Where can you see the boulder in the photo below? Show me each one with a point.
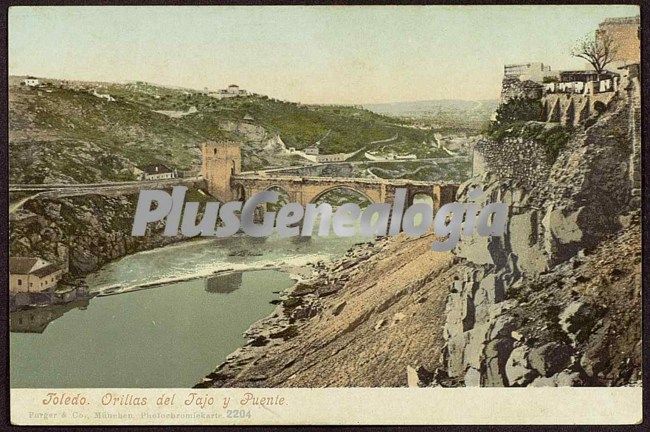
(517, 368)
(577, 319)
(550, 358)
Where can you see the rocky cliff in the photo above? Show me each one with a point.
(84, 231)
(555, 301)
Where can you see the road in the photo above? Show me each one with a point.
(316, 165)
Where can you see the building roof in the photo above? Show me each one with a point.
(155, 169)
(46, 270)
(580, 75)
(30, 265)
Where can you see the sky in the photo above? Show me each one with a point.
(309, 54)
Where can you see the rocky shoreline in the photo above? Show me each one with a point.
(298, 302)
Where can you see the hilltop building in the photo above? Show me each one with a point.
(31, 82)
(232, 90)
(534, 71)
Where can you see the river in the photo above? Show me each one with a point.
(169, 320)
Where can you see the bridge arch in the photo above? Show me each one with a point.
(330, 189)
(423, 196)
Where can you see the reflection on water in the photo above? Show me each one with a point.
(171, 336)
(223, 284)
(186, 309)
(35, 320)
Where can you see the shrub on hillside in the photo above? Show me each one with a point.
(518, 109)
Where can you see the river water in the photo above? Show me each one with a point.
(170, 334)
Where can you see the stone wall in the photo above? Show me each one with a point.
(573, 109)
(512, 87)
(518, 158)
(625, 34)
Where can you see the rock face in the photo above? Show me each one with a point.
(541, 305)
(372, 318)
(84, 231)
(555, 301)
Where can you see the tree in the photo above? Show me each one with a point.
(518, 109)
(599, 50)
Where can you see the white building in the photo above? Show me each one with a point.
(31, 82)
(232, 90)
(155, 172)
(534, 71)
(28, 274)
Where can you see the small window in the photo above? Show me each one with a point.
(20, 281)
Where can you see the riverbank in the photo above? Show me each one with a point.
(338, 327)
(200, 298)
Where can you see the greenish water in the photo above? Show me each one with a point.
(171, 335)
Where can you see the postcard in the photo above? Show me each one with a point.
(330, 215)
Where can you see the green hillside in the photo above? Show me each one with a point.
(63, 132)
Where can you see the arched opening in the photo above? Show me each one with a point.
(339, 195)
(423, 198)
(239, 193)
(283, 199)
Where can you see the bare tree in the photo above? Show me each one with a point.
(599, 50)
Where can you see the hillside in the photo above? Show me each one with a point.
(83, 132)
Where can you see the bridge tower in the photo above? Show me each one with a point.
(221, 160)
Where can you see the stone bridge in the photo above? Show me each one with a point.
(221, 170)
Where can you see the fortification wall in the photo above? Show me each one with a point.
(524, 160)
(571, 108)
(513, 87)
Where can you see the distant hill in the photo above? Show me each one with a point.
(73, 131)
(471, 115)
(431, 106)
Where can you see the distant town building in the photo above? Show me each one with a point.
(31, 82)
(625, 34)
(232, 90)
(32, 275)
(534, 71)
(335, 157)
(155, 172)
